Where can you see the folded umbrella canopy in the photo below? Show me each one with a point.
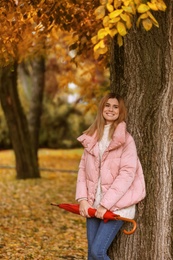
(74, 208)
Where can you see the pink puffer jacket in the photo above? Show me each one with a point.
(122, 180)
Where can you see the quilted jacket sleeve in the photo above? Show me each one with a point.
(81, 189)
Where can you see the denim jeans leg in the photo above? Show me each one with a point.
(92, 227)
(104, 234)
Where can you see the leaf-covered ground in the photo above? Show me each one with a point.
(30, 228)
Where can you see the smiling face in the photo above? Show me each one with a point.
(111, 110)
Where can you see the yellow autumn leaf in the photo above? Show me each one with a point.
(115, 13)
(120, 40)
(147, 24)
(138, 22)
(113, 32)
(124, 17)
(133, 7)
(121, 29)
(96, 47)
(106, 21)
(142, 16)
(110, 1)
(161, 6)
(137, 2)
(109, 7)
(107, 30)
(155, 22)
(114, 20)
(126, 2)
(152, 6)
(128, 9)
(99, 12)
(117, 3)
(94, 39)
(102, 44)
(100, 48)
(102, 33)
(128, 23)
(142, 8)
(103, 50)
(111, 25)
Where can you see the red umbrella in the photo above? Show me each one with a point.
(74, 208)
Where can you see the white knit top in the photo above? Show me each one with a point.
(103, 144)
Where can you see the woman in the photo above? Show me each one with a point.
(110, 176)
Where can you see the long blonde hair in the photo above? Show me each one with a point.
(99, 122)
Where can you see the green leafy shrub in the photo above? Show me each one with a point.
(61, 124)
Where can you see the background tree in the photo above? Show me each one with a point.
(16, 19)
(24, 29)
(38, 71)
(26, 161)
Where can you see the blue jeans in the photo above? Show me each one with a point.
(100, 236)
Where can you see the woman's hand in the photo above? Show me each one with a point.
(83, 208)
(100, 212)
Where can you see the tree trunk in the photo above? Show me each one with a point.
(37, 89)
(147, 84)
(32, 78)
(26, 160)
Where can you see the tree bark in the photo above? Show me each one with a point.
(26, 160)
(117, 81)
(32, 76)
(147, 84)
(37, 89)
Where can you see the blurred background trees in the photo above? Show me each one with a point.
(36, 59)
(68, 88)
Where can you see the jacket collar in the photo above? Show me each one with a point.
(119, 136)
(118, 139)
(87, 141)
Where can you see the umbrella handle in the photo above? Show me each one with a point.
(131, 221)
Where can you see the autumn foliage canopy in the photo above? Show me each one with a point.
(27, 26)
